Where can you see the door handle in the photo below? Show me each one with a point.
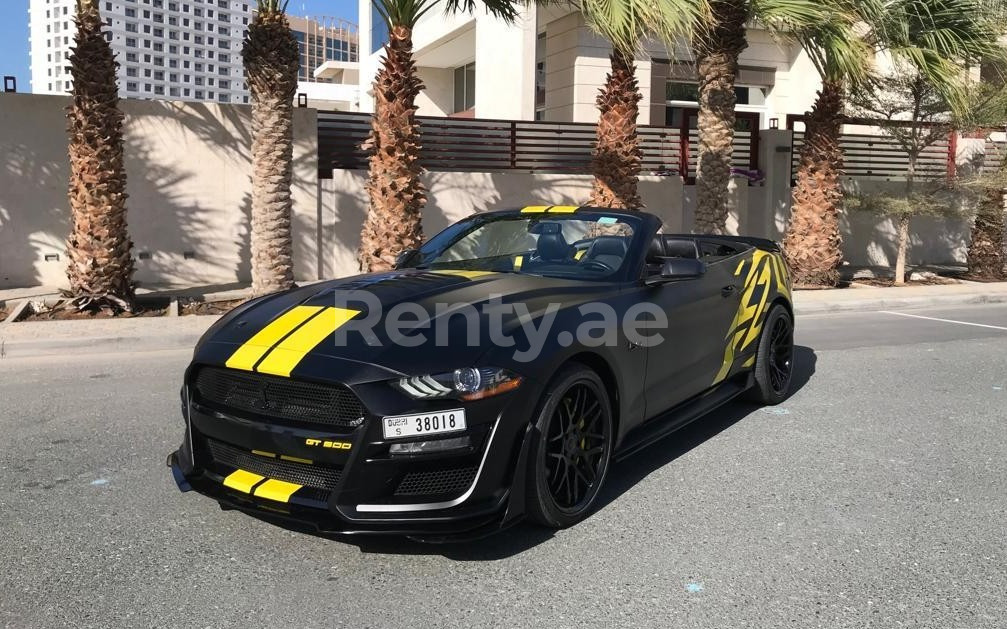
(728, 290)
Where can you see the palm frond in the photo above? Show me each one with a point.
(272, 6)
(506, 9)
(625, 23)
(402, 12)
(788, 15)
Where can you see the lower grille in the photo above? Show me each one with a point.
(437, 482)
(315, 476)
(282, 398)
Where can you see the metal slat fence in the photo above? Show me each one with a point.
(879, 156)
(478, 145)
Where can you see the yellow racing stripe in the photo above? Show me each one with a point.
(254, 348)
(277, 490)
(242, 480)
(535, 209)
(470, 275)
(518, 261)
(291, 350)
(297, 459)
(563, 209)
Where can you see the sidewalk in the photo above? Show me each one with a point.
(39, 338)
(868, 298)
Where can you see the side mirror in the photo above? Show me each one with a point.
(677, 269)
(403, 257)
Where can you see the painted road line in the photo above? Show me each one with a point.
(978, 325)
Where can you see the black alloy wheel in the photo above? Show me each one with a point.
(573, 448)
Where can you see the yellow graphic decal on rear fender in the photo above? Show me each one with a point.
(763, 269)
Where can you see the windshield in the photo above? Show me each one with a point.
(580, 246)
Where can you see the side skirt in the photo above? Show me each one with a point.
(668, 422)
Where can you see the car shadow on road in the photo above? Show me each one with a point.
(622, 477)
(625, 475)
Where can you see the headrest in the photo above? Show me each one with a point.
(546, 227)
(609, 245)
(552, 247)
(680, 248)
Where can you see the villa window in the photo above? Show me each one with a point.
(465, 87)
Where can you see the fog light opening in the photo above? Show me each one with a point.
(430, 447)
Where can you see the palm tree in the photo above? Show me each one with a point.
(938, 38)
(625, 23)
(271, 61)
(397, 195)
(100, 270)
(717, 49)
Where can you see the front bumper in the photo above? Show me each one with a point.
(358, 486)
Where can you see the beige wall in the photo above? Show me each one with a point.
(454, 195)
(188, 178)
(189, 169)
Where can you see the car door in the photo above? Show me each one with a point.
(699, 311)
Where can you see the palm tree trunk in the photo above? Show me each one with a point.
(717, 50)
(812, 241)
(617, 155)
(271, 61)
(903, 247)
(396, 193)
(904, 218)
(100, 270)
(986, 251)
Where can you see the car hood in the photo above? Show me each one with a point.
(448, 308)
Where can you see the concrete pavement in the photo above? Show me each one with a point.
(874, 496)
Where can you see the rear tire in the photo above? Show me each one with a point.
(774, 360)
(572, 448)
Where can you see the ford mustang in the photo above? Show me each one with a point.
(494, 375)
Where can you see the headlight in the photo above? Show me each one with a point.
(468, 383)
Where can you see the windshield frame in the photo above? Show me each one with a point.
(644, 226)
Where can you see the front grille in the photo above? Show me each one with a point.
(449, 481)
(315, 476)
(272, 396)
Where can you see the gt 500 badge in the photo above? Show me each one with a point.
(334, 445)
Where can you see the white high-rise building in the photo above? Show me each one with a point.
(168, 49)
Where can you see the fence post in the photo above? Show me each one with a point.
(513, 145)
(683, 154)
(952, 154)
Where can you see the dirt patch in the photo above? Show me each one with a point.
(984, 280)
(840, 285)
(888, 282)
(208, 307)
(59, 313)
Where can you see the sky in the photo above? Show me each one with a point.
(14, 31)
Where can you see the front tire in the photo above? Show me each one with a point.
(572, 449)
(774, 361)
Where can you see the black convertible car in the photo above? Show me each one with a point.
(495, 374)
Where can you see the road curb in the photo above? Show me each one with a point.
(890, 303)
(101, 344)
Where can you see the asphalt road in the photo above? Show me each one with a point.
(875, 497)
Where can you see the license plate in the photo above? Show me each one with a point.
(398, 426)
